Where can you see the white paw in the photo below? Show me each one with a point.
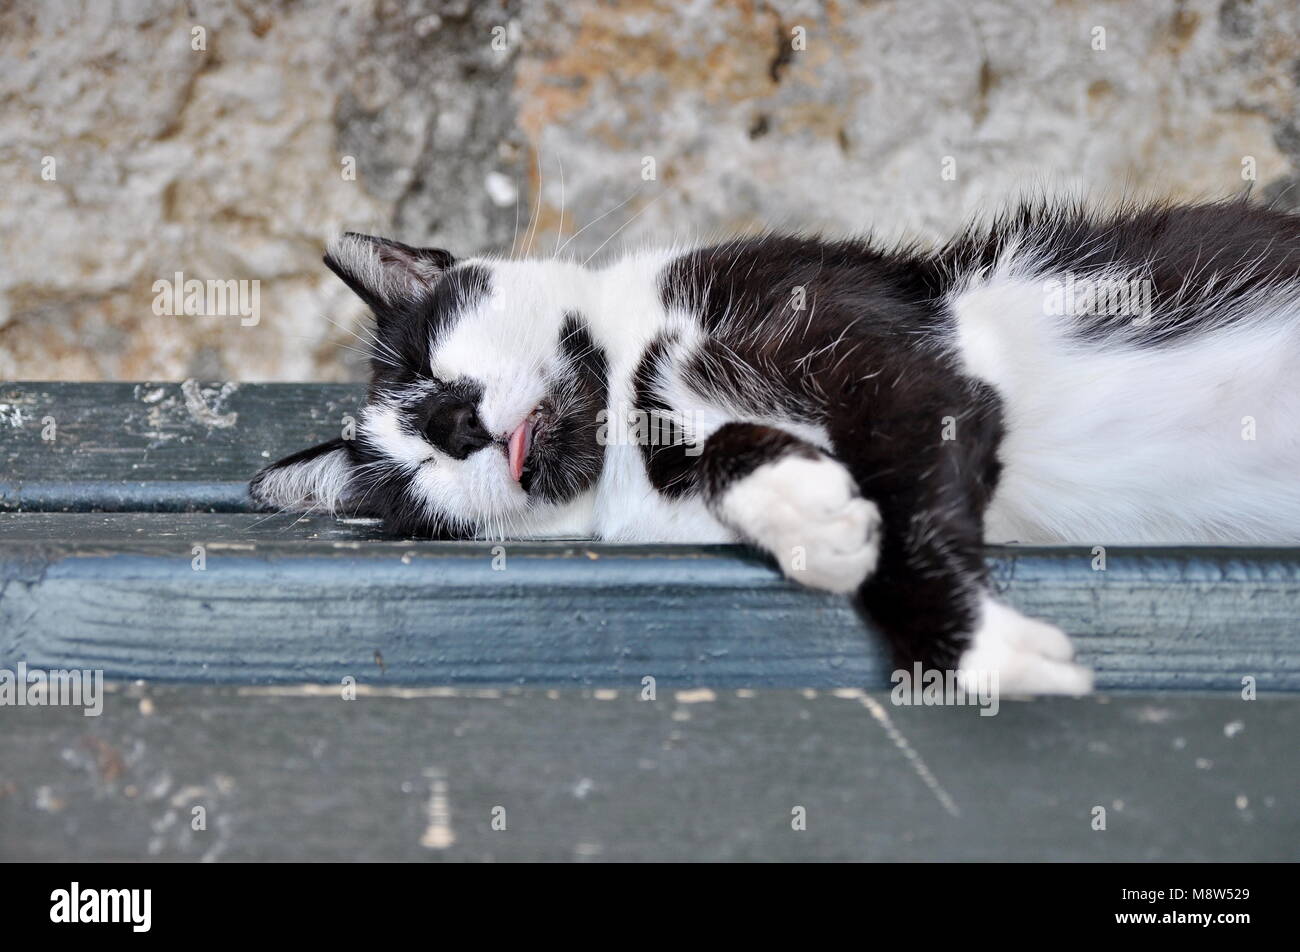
(1029, 657)
(808, 514)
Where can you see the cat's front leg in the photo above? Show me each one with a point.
(916, 562)
(1028, 655)
(790, 499)
(929, 596)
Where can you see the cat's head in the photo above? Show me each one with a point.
(484, 401)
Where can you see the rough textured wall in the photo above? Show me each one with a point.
(231, 162)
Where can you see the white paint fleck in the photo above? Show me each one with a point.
(188, 796)
(196, 402)
(1233, 728)
(697, 696)
(12, 415)
(1154, 715)
(438, 834)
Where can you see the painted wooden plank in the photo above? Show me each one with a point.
(292, 773)
(281, 599)
(76, 447)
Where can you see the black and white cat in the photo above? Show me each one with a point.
(867, 416)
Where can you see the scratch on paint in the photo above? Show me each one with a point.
(438, 835)
(887, 724)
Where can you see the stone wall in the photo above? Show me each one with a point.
(128, 155)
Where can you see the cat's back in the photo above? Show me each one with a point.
(1146, 361)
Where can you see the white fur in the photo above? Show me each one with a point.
(807, 513)
(361, 257)
(627, 316)
(1120, 443)
(1027, 656)
(317, 485)
(508, 341)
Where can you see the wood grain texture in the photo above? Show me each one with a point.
(96, 552)
(155, 446)
(97, 571)
(300, 774)
(282, 599)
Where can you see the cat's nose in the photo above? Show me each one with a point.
(457, 431)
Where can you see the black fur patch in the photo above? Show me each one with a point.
(842, 335)
(668, 460)
(735, 450)
(1187, 256)
(567, 457)
(407, 330)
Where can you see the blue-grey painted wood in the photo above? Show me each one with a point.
(291, 774)
(285, 600)
(160, 447)
(98, 570)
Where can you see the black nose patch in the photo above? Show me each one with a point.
(450, 421)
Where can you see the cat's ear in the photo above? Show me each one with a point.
(385, 273)
(318, 479)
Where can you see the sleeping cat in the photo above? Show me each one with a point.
(867, 416)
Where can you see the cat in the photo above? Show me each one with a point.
(869, 416)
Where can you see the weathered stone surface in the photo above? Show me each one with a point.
(228, 163)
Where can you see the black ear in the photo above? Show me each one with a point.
(385, 273)
(318, 479)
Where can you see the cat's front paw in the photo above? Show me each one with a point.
(1028, 656)
(807, 512)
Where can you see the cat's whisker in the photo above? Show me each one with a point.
(616, 231)
(514, 239)
(531, 232)
(559, 229)
(635, 192)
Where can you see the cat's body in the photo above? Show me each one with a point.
(868, 417)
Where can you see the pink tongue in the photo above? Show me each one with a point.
(520, 440)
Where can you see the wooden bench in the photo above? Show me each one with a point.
(513, 676)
